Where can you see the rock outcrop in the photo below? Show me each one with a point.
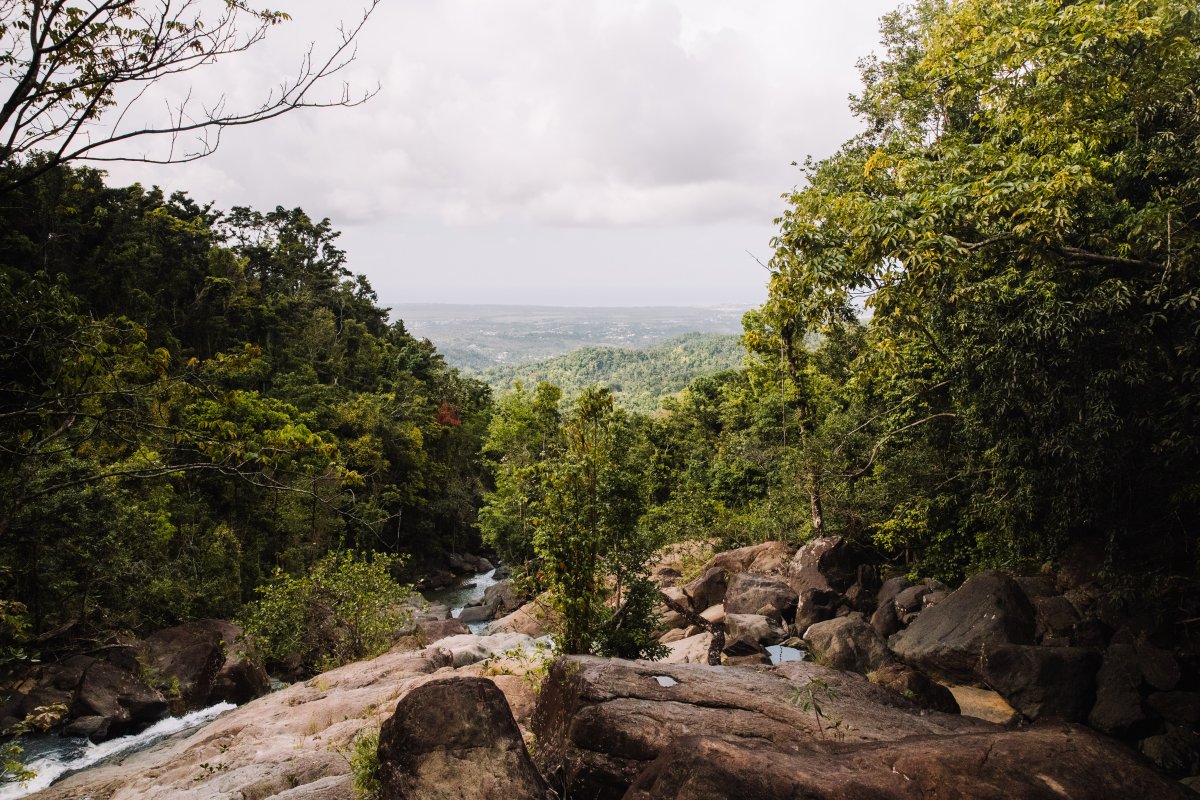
(450, 734)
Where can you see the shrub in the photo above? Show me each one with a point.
(345, 608)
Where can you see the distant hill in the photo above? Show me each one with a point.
(476, 337)
(638, 377)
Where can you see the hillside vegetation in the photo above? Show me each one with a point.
(639, 379)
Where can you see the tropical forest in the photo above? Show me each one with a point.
(928, 527)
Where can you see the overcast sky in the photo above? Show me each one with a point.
(574, 152)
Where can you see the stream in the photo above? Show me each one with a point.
(54, 757)
(466, 589)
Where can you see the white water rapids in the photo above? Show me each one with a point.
(51, 757)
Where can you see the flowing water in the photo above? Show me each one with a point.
(465, 590)
(53, 757)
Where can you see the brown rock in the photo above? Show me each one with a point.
(1056, 616)
(599, 722)
(1045, 682)
(847, 643)
(915, 686)
(185, 660)
(768, 558)
(748, 593)
(892, 587)
(1118, 701)
(1042, 764)
(120, 698)
(707, 590)
(455, 737)
(950, 639)
(827, 563)
(815, 605)
(885, 621)
(241, 678)
(434, 630)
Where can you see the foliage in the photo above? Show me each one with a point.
(1020, 219)
(809, 697)
(639, 379)
(345, 607)
(41, 719)
(190, 400)
(83, 82)
(364, 765)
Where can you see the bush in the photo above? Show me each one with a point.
(345, 608)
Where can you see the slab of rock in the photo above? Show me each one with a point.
(468, 648)
(951, 639)
(502, 597)
(847, 643)
(599, 722)
(1045, 682)
(184, 661)
(985, 704)
(689, 650)
(816, 605)
(437, 629)
(455, 737)
(480, 613)
(748, 593)
(241, 678)
(288, 744)
(1049, 763)
(827, 563)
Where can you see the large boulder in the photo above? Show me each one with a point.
(455, 737)
(916, 686)
(847, 643)
(816, 605)
(1118, 696)
(1041, 764)
(1045, 682)
(502, 597)
(768, 558)
(952, 639)
(241, 678)
(708, 590)
(469, 648)
(122, 700)
(535, 618)
(748, 593)
(183, 661)
(435, 630)
(753, 629)
(827, 563)
(600, 722)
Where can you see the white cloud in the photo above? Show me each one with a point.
(546, 114)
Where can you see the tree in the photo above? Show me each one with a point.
(1022, 218)
(591, 553)
(78, 77)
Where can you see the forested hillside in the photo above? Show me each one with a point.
(192, 399)
(638, 378)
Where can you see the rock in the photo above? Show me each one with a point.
(1158, 667)
(455, 737)
(911, 598)
(707, 590)
(435, 579)
(600, 722)
(477, 614)
(827, 563)
(1035, 586)
(241, 678)
(1052, 762)
(714, 613)
(1044, 682)
(754, 629)
(861, 598)
(690, 650)
(669, 618)
(933, 598)
(748, 593)
(673, 635)
(768, 558)
(1118, 701)
(892, 587)
(1056, 617)
(288, 744)
(847, 643)
(983, 704)
(534, 619)
(94, 728)
(501, 597)
(436, 630)
(429, 612)
(1176, 752)
(123, 700)
(950, 639)
(502, 571)
(1178, 707)
(184, 661)
(468, 648)
(915, 686)
(885, 621)
(815, 605)
(483, 565)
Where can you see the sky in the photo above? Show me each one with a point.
(581, 152)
